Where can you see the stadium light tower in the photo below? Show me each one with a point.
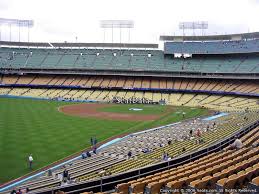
(193, 26)
(17, 23)
(119, 24)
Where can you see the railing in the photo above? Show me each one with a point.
(109, 183)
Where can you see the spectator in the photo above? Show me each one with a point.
(145, 150)
(169, 141)
(165, 156)
(69, 178)
(30, 159)
(65, 175)
(88, 154)
(84, 155)
(237, 144)
(183, 150)
(102, 173)
(162, 145)
(198, 133)
(64, 183)
(108, 173)
(59, 176)
(95, 150)
(129, 154)
(190, 132)
(49, 172)
(13, 191)
(255, 144)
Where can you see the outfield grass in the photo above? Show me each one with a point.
(35, 126)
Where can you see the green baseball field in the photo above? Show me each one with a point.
(51, 130)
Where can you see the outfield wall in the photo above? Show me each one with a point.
(56, 99)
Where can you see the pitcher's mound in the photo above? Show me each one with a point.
(91, 110)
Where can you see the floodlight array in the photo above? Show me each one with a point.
(117, 24)
(17, 22)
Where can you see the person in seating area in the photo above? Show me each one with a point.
(102, 173)
(83, 155)
(129, 154)
(190, 133)
(255, 144)
(19, 191)
(13, 191)
(95, 150)
(169, 142)
(165, 156)
(65, 175)
(50, 172)
(198, 136)
(237, 144)
(145, 150)
(198, 133)
(208, 128)
(161, 145)
(88, 154)
(64, 183)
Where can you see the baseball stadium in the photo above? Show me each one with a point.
(79, 117)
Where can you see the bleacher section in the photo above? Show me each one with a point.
(238, 86)
(144, 60)
(224, 170)
(213, 47)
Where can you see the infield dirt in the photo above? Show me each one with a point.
(91, 110)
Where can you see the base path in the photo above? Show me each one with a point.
(91, 110)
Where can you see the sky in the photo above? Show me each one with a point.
(64, 20)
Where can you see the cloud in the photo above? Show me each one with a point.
(64, 19)
(255, 1)
(5, 5)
